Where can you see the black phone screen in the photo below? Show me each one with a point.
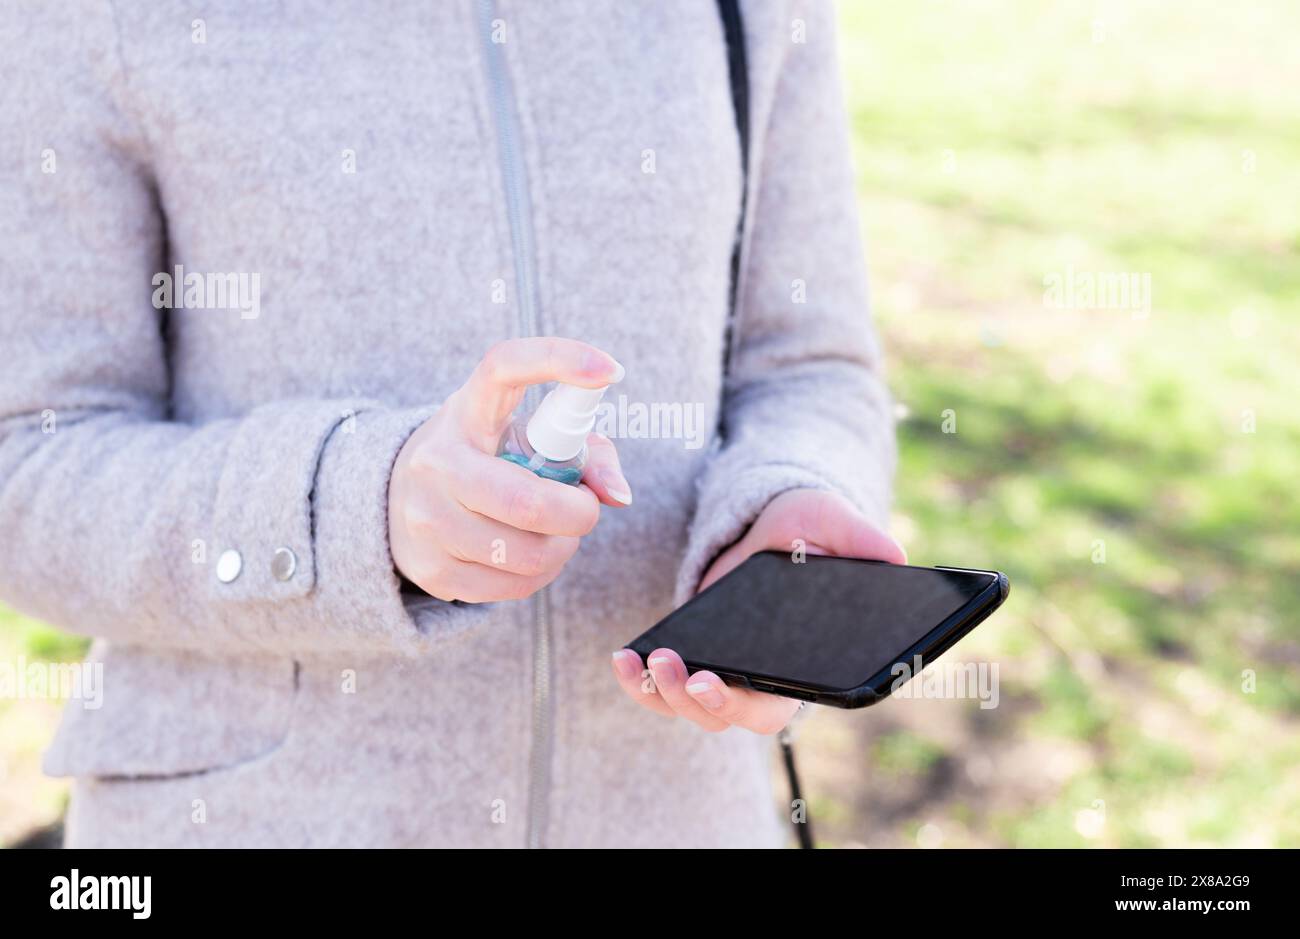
(830, 622)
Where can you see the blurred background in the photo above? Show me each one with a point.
(1134, 470)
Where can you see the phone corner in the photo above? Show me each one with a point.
(853, 699)
(1004, 587)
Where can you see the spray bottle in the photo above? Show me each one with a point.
(552, 441)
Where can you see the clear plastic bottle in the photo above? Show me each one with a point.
(552, 441)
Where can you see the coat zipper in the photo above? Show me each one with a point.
(519, 212)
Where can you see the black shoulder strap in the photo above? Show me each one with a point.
(733, 29)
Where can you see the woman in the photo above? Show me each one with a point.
(326, 613)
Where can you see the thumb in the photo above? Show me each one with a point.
(824, 522)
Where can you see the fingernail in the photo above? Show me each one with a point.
(706, 694)
(616, 486)
(659, 660)
(618, 373)
(623, 663)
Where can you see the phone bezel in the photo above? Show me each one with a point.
(928, 647)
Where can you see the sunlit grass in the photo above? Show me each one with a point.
(1133, 471)
(28, 799)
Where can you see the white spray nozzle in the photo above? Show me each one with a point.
(559, 427)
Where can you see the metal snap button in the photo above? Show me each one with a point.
(229, 565)
(283, 564)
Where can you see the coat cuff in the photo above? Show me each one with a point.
(303, 503)
(358, 591)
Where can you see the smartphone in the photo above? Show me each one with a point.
(825, 629)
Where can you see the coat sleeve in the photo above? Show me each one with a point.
(113, 514)
(805, 404)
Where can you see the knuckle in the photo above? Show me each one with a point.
(493, 354)
(438, 593)
(428, 464)
(432, 578)
(441, 569)
(566, 548)
(520, 588)
(494, 358)
(536, 559)
(419, 523)
(526, 507)
(553, 350)
(456, 550)
(733, 714)
(585, 518)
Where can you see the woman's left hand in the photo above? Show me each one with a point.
(825, 523)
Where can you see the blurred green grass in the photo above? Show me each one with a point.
(30, 801)
(997, 143)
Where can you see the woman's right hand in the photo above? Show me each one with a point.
(464, 524)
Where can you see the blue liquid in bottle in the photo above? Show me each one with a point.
(552, 441)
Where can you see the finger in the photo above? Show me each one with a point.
(670, 678)
(482, 540)
(452, 579)
(638, 686)
(604, 474)
(509, 493)
(754, 710)
(833, 523)
(824, 522)
(494, 388)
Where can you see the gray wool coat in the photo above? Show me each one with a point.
(406, 184)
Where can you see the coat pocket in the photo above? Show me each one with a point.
(167, 712)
